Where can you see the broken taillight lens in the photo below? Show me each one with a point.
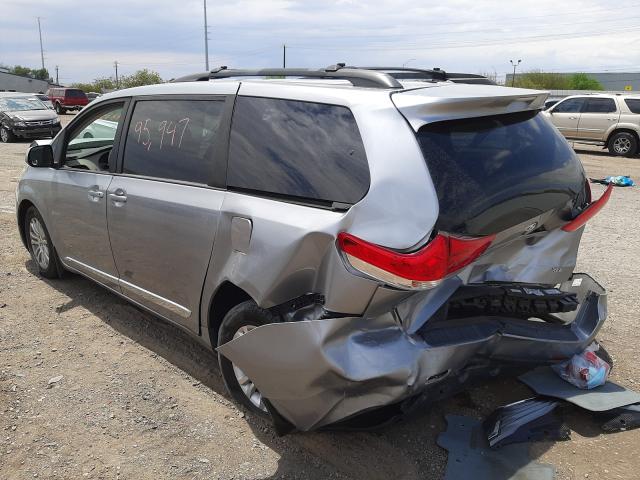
(588, 213)
(423, 269)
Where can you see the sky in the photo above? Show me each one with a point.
(85, 38)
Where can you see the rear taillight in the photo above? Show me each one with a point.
(592, 209)
(423, 269)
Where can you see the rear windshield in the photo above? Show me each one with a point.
(75, 93)
(491, 173)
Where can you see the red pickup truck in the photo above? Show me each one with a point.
(64, 99)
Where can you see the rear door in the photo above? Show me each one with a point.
(597, 117)
(163, 207)
(565, 116)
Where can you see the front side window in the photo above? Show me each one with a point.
(573, 105)
(600, 105)
(91, 141)
(305, 150)
(633, 104)
(173, 139)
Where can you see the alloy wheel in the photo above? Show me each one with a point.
(4, 135)
(39, 244)
(247, 386)
(622, 145)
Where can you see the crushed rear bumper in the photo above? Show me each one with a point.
(319, 372)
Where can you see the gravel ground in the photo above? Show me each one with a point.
(91, 387)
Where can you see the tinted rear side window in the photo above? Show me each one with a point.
(75, 93)
(299, 149)
(633, 104)
(492, 173)
(600, 105)
(173, 139)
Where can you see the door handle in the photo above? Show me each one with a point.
(119, 196)
(95, 195)
(573, 118)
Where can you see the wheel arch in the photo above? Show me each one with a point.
(620, 130)
(22, 212)
(227, 296)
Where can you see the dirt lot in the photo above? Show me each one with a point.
(138, 399)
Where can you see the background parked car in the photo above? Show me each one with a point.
(93, 95)
(64, 99)
(25, 116)
(44, 99)
(612, 121)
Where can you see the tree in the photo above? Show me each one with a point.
(22, 71)
(40, 74)
(537, 79)
(582, 81)
(139, 78)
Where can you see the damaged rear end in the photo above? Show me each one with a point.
(491, 287)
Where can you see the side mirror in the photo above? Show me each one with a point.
(40, 156)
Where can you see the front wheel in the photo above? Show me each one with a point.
(6, 135)
(624, 144)
(60, 110)
(40, 246)
(238, 321)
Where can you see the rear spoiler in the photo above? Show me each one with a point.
(421, 106)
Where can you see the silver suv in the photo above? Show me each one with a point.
(609, 120)
(346, 241)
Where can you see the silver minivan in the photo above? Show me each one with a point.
(348, 242)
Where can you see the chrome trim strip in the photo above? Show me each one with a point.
(110, 279)
(156, 299)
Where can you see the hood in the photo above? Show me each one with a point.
(30, 115)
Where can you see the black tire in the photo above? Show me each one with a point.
(623, 144)
(52, 268)
(59, 109)
(246, 314)
(6, 135)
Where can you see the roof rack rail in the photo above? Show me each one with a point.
(434, 74)
(357, 76)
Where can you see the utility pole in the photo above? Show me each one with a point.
(115, 64)
(206, 38)
(41, 50)
(57, 82)
(284, 56)
(513, 78)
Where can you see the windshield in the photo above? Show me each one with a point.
(21, 104)
(491, 173)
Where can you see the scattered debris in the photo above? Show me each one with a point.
(544, 381)
(621, 418)
(52, 381)
(617, 180)
(528, 420)
(469, 452)
(585, 370)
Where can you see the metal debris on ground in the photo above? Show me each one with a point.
(529, 420)
(544, 381)
(469, 455)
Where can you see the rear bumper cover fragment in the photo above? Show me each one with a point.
(318, 372)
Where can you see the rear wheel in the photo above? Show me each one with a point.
(624, 144)
(240, 320)
(6, 135)
(40, 246)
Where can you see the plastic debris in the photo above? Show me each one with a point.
(585, 370)
(530, 420)
(621, 418)
(617, 180)
(544, 381)
(470, 455)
